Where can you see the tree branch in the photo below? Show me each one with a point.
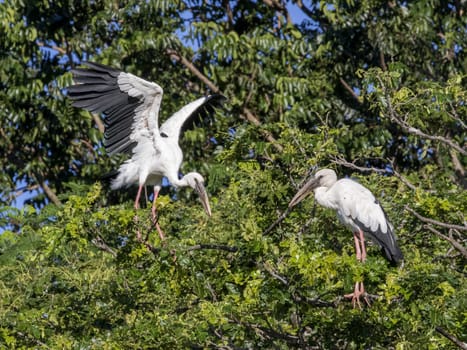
(435, 222)
(269, 333)
(50, 193)
(277, 5)
(451, 240)
(342, 161)
(100, 243)
(215, 89)
(191, 67)
(414, 131)
(296, 295)
(267, 135)
(452, 338)
(56, 48)
(350, 90)
(213, 246)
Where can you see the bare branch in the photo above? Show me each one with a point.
(56, 48)
(451, 240)
(100, 243)
(191, 67)
(458, 168)
(267, 135)
(435, 222)
(32, 339)
(350, 90)
(50, 193)
(452, 338)
(269, 333)
(248, 114)
(382, 61)
(296, 295)
(277, 5)
(414, 131)
(342, 161)
(278, 221)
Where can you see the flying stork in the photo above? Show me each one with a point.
(131, 109)
(357, 209)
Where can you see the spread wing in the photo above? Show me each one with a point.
(360, 205)
(130, 104)
(179, 121)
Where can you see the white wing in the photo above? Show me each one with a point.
(176, 123)
(360, 206)
(130, 104)
(358, 203)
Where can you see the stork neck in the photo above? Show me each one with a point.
(175, 181)
(321, 196)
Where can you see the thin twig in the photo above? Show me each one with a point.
(341, 161)
(414, 131)
(296, 295)
(213, 246)
(278, 221)
(100, 243)
(248, 114)
(451, 240)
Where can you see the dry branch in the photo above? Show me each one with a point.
(395, 117)
(435, 222)
(452, 338)
(215, 89)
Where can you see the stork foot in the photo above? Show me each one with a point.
(359, 291)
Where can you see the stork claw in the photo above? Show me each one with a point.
(359, 291)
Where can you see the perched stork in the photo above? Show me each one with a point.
(131, 108)
(357, 209)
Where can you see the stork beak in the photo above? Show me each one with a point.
(304, 192)
(203, 196)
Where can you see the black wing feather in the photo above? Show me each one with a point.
(97, 90)
(386, 240)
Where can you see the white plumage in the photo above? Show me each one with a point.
(358, 209)
(131, 109)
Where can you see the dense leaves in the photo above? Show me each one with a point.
(374, 89)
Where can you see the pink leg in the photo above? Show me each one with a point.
(154, 213)
(357, 247)
(362, 241)
(359, 291)
(153, 209)
(138, 195)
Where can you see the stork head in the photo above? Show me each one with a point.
(323, 178)
(196, 181)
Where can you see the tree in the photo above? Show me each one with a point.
(374, 89)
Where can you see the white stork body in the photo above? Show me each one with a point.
(358, 209)
(131, 109)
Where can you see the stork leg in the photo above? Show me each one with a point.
(362, 242)
(138, 195)
(359, 289)
(154, 213)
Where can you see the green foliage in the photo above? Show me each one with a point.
(373, 89)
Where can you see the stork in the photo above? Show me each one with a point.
(131, 109)
(357, 209)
